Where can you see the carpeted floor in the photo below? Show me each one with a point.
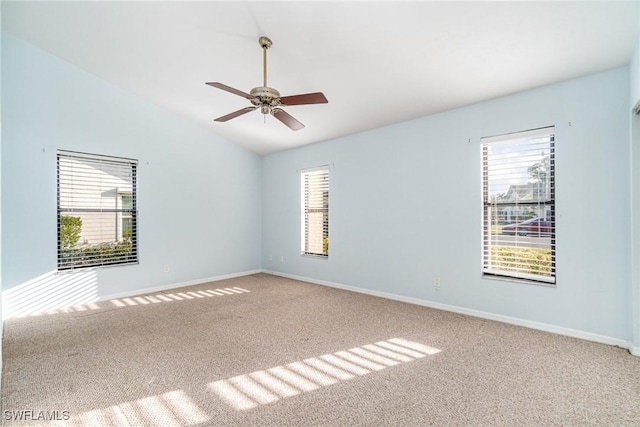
(264, 350)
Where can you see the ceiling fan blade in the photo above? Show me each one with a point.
(305, 98)
(235, 114)
(287, 119)
(230, 89)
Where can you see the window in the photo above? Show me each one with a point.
(315, 211)
(96, 211)
(518, 186)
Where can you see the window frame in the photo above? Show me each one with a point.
(305, 211)
(73, 258)
(545, 202)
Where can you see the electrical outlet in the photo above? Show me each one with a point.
(281, 258)
(436, 282)
(165, 268)
(270, 257)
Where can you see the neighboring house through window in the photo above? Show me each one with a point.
(518, 176)
(96, 210)
(315, 211)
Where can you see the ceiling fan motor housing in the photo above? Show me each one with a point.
(265, 98)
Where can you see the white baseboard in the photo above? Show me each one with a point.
(176, 285)
(588, 336)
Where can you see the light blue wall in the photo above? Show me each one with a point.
(634, 99)
(199, 196)
(405, 206)
(1, 318)
(635, 217)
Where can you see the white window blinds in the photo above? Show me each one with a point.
(315, 211)
(518, 176)
(97, 216)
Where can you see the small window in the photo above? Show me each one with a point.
(315, 211)
(518, 176)
(96, 211)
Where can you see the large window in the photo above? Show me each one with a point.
(518, 176)
(96, 211)
(315, 211)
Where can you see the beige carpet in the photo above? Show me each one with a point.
(263, 350)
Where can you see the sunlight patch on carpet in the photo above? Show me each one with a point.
(50, 293)
(171, 409)
(264, 387)
(175, 296)
(61, 294)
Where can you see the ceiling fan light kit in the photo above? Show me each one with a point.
(268, 99)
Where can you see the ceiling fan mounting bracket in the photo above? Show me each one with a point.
(265, 42)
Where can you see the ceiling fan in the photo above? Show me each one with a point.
(268, 99)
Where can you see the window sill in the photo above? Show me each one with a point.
(315, 256)
(518, 280)
(95, 267)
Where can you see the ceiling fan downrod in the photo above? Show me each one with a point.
(265, 97)
(266, 43)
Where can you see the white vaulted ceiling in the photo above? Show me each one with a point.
(378, 63)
